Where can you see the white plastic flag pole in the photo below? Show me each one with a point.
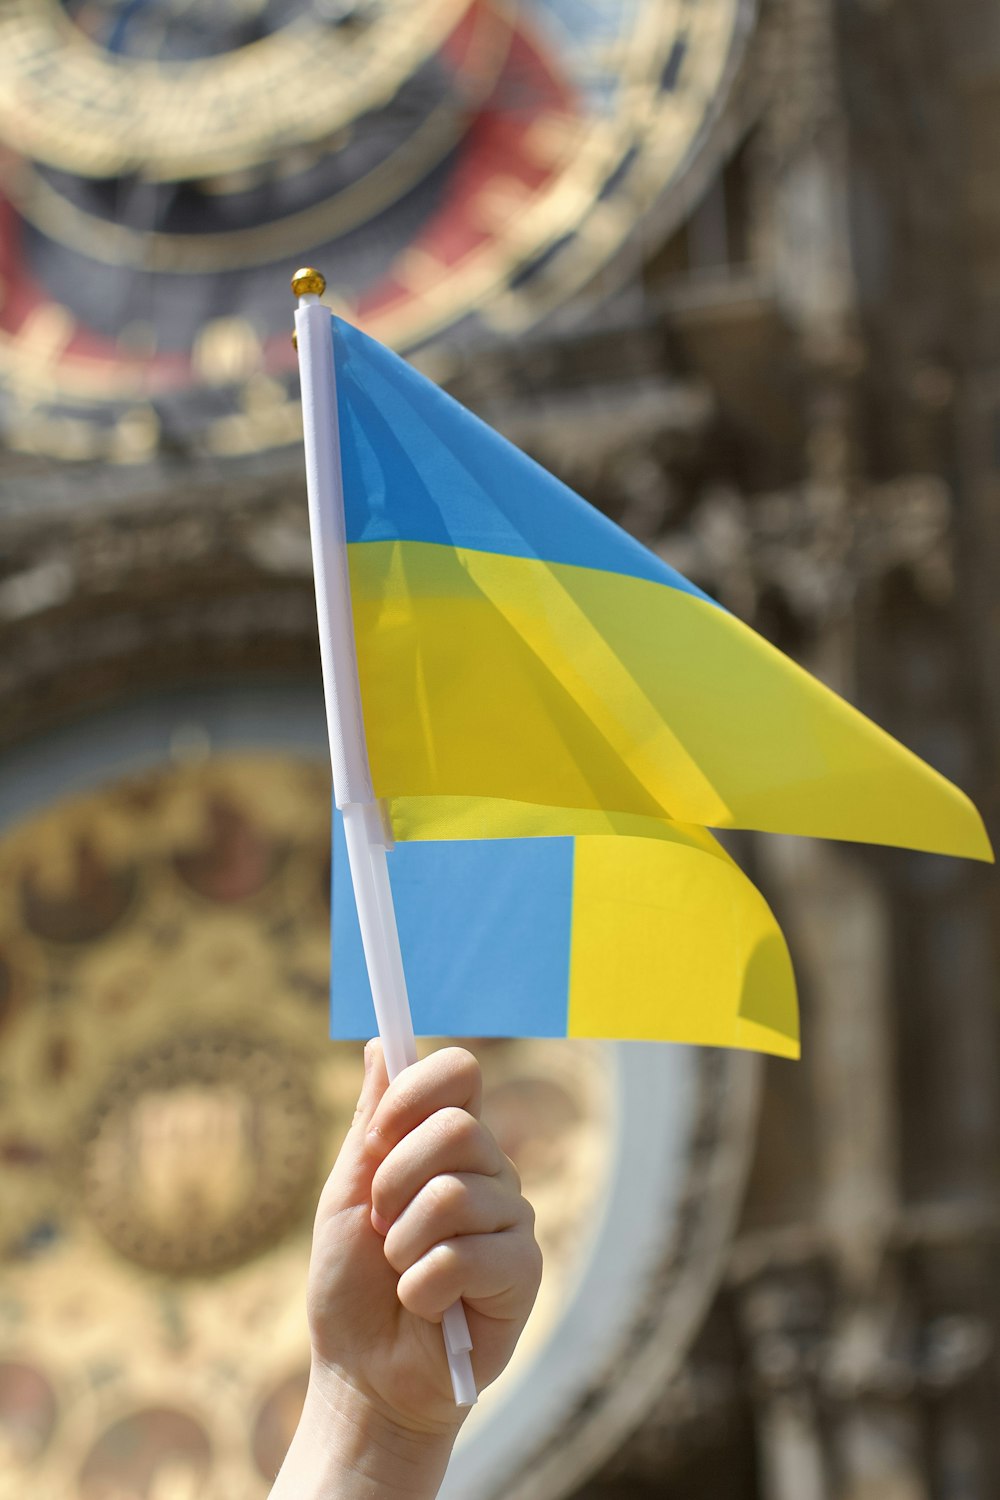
(367, 839)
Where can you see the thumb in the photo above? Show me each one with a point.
(351, 1179)
(376, 1081)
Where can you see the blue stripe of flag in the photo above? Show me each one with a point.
(418, 467)
(484, 928)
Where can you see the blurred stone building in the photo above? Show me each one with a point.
(733, 272)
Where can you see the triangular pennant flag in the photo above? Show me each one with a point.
(553, 719)
(515, 646)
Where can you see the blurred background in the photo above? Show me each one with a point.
(730, 269)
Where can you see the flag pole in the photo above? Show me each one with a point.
(367, 838)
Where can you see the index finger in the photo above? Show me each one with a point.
(449, 1079)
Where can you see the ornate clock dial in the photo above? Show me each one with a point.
(176, 90)
(168, 1111)
(448, 164)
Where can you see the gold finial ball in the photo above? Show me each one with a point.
(308, 280)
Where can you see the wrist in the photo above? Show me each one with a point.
(346, 1448)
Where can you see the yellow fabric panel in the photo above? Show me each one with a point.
(509, 678)
(671, 942)
(464, 694)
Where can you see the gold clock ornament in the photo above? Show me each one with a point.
(165, 167)
(202, 94)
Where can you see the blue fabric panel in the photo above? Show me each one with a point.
(484, 927)
(418, 467)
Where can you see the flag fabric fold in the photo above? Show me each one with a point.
(653, 937)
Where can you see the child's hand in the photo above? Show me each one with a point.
(422, 1208)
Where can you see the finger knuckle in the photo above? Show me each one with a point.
(525, 1260)
(462, 1067)
(395, 1254)
(383, 1190)
(457, 1129)
(416, 1295)
(510, 1170)
(426, 1287)
(449, 1196)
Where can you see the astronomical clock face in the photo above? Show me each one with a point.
(168, 1111)
(169, 1107)
(454, 166)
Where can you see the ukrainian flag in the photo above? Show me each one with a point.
(532, 676)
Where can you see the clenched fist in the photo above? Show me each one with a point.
(422, 1208)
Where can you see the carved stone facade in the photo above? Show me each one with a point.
(861, 1310)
